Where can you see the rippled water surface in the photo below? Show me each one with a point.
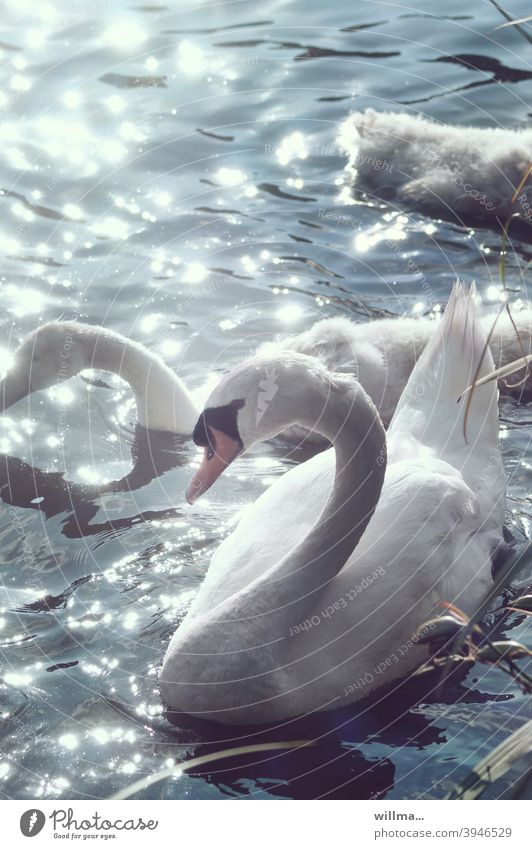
(173, 172)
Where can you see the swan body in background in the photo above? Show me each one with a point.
(59, 350)
(281, 625)
(382, 353)
(464, 173)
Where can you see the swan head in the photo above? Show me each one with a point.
(254, 402)
(50, 354)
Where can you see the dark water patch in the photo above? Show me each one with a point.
(313, 52)
(217, 136)
(362, 27)
(334, 99)
(41, 260)
(212, 30)
(274, 190)
(54, 602)
(436, 17)
(219, 211)
(11, 47)
(67, 665)
(37, 209)
(250, 42)
(312, 264)
(230, 273)
(124, 81)
(299, 239)
(310, 224)
(500, 73)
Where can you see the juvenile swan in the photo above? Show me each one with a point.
(464, 173)
(61, 349)
(424, 526)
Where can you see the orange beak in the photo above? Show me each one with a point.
(215, 461)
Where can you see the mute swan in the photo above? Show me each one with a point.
(304, 610)
(456, 172)
(61, 349)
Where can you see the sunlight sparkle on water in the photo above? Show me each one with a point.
(289, 313)
(130, 620)
(35, 37)
(6, 360)
(115, 104)
(292, 147)
(19, 83)
(62, 394)
(73, 211)
(230, 176)
(249, 264)
(100, 735)
(72, 99)
(125, 35)
(111, 227)
(162, 199)
(89, 474)
(69, 741)
(150, 322)
(18, 159)
(194, 272)
(25, 301)
(170, 347)
(369, 238)
(17, 679)
(128, 768)
(113, 150)
(190, 59)
(130, 132)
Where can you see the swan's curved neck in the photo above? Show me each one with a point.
(163, 402)
(347, 418)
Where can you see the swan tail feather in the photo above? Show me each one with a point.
(433, 408)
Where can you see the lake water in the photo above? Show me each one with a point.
(173, 172)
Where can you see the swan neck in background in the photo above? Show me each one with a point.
(162, 400)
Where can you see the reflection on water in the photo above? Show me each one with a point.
(174, 173)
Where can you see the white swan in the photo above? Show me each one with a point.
(453, 171)
(382, 353)
(305, 610)
(59, 350)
